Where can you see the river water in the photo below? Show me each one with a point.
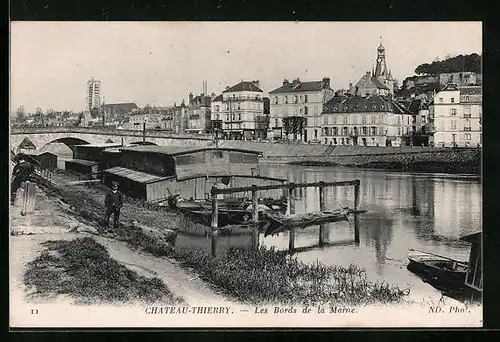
(428, 212)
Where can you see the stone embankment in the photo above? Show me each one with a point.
(422, 159)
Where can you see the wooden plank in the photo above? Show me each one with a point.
(286, 186)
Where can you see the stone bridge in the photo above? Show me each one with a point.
(88, 135)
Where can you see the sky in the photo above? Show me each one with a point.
(159, 63)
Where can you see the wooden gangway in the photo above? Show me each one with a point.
(290, 186)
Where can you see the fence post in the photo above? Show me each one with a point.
(322, 208)
(291, 199)
(291, 240)
(356, 203)
(255, 204)
(215, 219)
(255, 218)
(356, 195)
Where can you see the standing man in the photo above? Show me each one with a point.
(113, 202)
(22, 172)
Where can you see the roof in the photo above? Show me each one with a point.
(471, 90)
(112, 150)
(82, 162)
(203, 100)
(217, 98)
(243, 86)
(358, 104)
(416, 105)
(294, 87)
(450, 87)
(105, 145)
(178, 150)
(472, 237)
(128, 106)
(136, 176)
(37, 153)
(369, 81)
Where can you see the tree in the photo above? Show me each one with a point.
(94, 112)
(79, 120)
(294, 125)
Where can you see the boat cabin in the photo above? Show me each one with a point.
(92, 152)
(474, 278)
(188, 172)
(81, 166)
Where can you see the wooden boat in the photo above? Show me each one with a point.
(440, 271)
(281, 222)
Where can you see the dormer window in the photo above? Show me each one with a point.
(452, 100)
(381, 107)
(334, 109)
(374, 107)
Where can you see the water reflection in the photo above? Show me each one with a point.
(404, 211)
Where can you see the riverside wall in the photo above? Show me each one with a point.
(422, 159)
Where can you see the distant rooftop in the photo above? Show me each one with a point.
(243, 86)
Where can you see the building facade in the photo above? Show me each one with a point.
(242, 112)
(456, 114)
(198, 114)
(93, 94)
(366, 121)
(299, 99)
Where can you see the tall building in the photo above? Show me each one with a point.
(198, 114)
(455, 115)
(242, 111)
(379, 81)
(299, 99)
(93, 94)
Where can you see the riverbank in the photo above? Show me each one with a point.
(251, 277)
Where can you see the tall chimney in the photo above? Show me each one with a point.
(190, 97)
(285, 81)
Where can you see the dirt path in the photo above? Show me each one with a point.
(49, 222)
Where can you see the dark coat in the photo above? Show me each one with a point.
(22, 171)
(114, 200)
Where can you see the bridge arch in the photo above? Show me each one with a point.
(149, 143)
(68, 141)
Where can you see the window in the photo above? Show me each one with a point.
(342, 140)
(275, 122)
(452, 100)
(227, 117)
(365, 130)
(217, 108)
(374, 131)
(453, 124)
(467, 110)
(453, 111)
(305, 98)
(305, 110)
(239, 116)
(275, 100)
(295, 99)
(440, 100)
(467, 98)
(335, 131)
(363, 119)
(239, 106)
(335, 141)
(285, 99)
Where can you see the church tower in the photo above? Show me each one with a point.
(381, 72)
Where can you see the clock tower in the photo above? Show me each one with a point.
(381, 72)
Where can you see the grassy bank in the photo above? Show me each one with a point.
(249, 276)
(266, 276)
(84, 270)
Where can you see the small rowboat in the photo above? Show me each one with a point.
(281, 222)
(438, 270)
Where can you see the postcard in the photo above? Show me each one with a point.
(245, 174)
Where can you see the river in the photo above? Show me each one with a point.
(428, 212)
